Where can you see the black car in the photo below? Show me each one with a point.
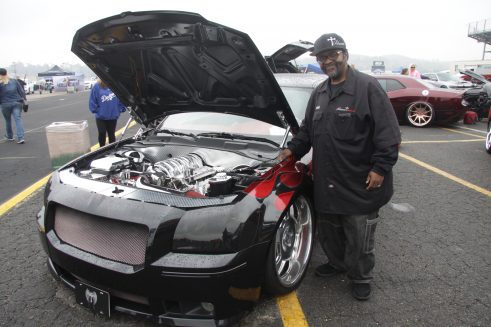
(189, 220)
(478, 98)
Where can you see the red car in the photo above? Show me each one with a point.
(421, 104)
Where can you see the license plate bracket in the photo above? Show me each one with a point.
(97, 300)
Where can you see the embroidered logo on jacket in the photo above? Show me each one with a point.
(345, 111)
(108, 97)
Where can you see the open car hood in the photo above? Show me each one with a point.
(165, 62)
(287, 53)
(476, 76)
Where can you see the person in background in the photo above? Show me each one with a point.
(107, 109)
(405, 71)
(12, 98)
(353, 131)
(413, 72)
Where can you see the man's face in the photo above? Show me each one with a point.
(332, 62)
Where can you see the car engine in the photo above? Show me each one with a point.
(479, 99)
(202, 172)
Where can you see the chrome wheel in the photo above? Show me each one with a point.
(420, 114)
(293, 243)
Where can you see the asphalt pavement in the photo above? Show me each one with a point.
(23, 164)
(433, 258)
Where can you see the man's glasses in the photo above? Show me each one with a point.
(413, 67)
(331, 55)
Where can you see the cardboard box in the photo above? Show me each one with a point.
(67, 141)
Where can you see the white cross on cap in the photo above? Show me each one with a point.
(332, 39)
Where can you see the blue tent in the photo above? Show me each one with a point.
(313, 68)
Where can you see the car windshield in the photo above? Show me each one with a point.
(212, 122)
(447, 77)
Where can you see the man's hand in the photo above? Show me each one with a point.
(285, 153)
(374, 180)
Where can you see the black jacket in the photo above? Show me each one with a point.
(352, 132)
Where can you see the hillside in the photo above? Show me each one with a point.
(361, 62)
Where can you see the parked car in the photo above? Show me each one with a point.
(29, 87)
(72, 85)
(421, 104)
(189, 220)
(478, 98)
(89, 84)
(447, 81)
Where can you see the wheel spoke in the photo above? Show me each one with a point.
(420, 114)
(280, 266)
(293, 243)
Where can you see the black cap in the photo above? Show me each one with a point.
(3, 71)
(327, 42)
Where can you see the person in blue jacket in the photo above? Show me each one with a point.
(12, 97)
(107, 107)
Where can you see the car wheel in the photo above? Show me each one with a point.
(488, 138)
(420, 114)
(290, 251)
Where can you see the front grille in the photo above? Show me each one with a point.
(111, 239)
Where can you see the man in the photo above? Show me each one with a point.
(354, 133)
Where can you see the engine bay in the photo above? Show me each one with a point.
(191, 171)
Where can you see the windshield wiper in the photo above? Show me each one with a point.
(219, 134)
(236, 137)
(168, 131)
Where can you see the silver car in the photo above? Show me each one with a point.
(446, 80)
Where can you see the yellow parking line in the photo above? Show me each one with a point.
(442, 141)
(459, 132)
(13, 201)
(291, 311)
(16, 158)
(6, 206)
(447, 175)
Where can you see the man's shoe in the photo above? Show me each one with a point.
(20, 142)
(361, 291)
(9, 138)
(326, 270)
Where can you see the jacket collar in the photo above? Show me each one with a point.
(348, 85)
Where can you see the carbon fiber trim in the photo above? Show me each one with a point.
(176, 200)
(111, 239)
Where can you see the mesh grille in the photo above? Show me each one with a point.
(111, 239)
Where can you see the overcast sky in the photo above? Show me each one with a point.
(41, 31)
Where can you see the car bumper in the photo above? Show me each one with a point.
(178, 288)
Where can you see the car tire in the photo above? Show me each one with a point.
(290, 251)
(488, 138)
(420, 114)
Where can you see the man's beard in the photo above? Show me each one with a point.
(333, 69)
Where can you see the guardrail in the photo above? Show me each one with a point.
(479, 27)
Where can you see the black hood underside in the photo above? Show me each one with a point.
(166, 62)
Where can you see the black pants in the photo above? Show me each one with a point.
(348, 242)
(106, 126)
